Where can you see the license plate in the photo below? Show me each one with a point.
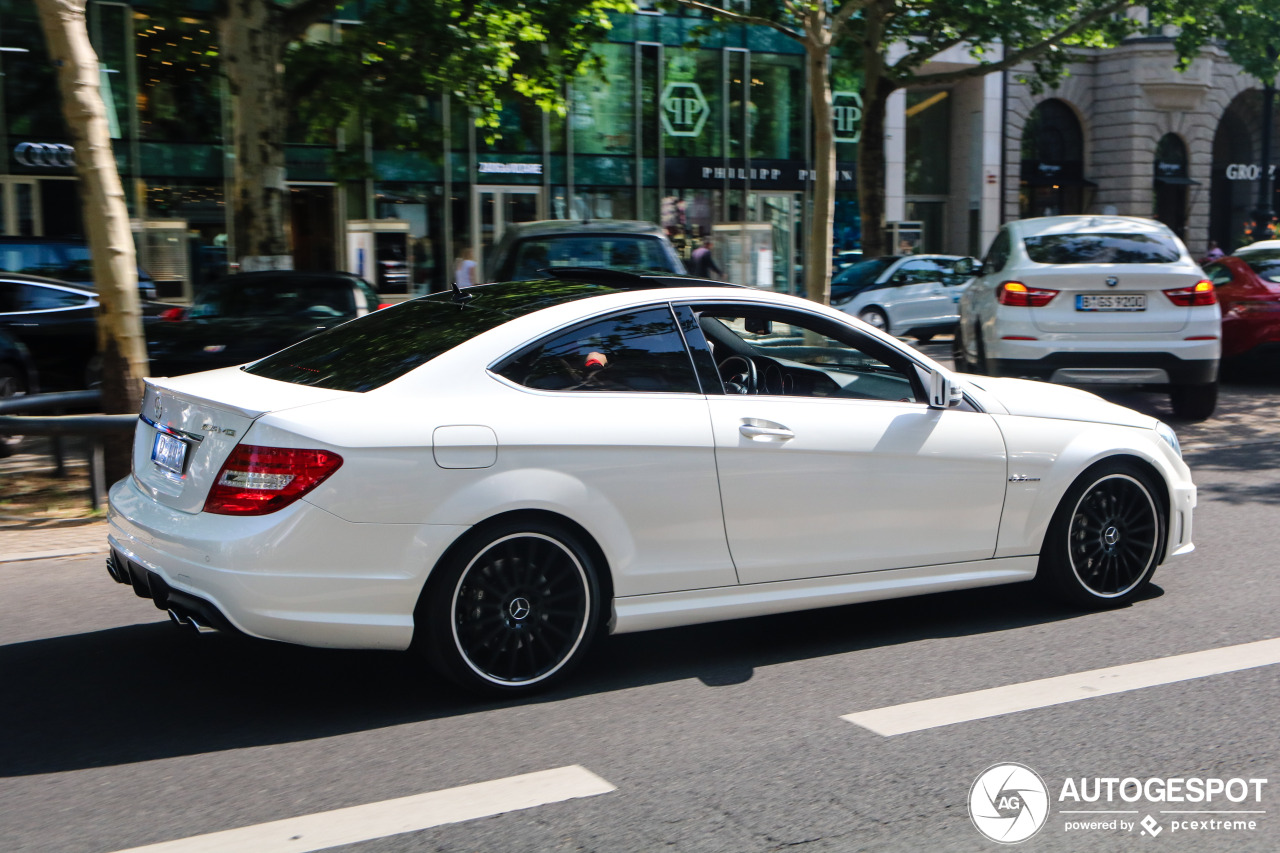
(169, 453)
(1111, 302)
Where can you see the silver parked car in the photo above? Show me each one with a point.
(903, 295)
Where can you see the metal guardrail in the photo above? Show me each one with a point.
(92, 426)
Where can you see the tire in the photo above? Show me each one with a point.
(1106, 538)
(511, 609)
(1194, 402)
(12, 384)
(874, 317)
(959, 358)
(923, 337)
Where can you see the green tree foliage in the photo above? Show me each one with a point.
(1249, 32)
(479, 52)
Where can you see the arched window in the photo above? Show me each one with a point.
(1053, 179)
(1170, 183)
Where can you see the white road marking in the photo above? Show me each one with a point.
(393, 817)
(965, 707)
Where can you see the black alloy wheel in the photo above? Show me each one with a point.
(1104, 541)
(513, 609)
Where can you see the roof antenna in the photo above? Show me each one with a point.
(459, 296)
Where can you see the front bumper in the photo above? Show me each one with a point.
(300, 575)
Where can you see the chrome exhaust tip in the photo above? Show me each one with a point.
(176, 617)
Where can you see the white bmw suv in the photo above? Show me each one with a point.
(1091, 300)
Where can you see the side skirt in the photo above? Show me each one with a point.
(691, 607)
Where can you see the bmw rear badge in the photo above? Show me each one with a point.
(1112, 281)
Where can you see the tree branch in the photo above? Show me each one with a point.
(295, 19)
(737, 17)
(1012, 59)
(840, 18)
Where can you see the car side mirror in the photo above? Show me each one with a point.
(965, 266)
(756, 326)
(943, 393)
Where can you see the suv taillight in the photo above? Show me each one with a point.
(1017, 293)
(259, 480)
(1200, 293)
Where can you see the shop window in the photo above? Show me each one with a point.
(1053, 179)
(777, 106)
(928, 143)
(179, 82)
(692, 109)
(32, 108)
(602, 116)
(1170, 183)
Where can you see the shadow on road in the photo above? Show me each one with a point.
(146, 692)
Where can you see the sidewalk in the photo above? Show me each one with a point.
(38, 541)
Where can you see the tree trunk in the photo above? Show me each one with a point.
(817, 261)
(106, 220)
(252, 42)
(871, 162)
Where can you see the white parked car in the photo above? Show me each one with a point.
(1094, 300)
(496, 477)
(904, 295)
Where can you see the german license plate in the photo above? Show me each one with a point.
(169, 453)
(1111, 302)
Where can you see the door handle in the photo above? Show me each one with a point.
(754, 431)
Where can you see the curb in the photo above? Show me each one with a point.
(53, 555)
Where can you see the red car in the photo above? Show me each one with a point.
(1248, 286)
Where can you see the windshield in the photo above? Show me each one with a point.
(304, 298)
(1102, 249)
(858, 277)
(379, 347)
(529, 257)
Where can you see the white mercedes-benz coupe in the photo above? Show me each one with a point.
(495, 477)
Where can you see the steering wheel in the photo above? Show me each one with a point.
(739, 375)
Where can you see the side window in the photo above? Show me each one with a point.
(782, 353)
(998, 254)
(1219, 275)
(32, 297)
(917, 272)
(637, 351)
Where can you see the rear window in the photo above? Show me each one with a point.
(529, 257)
(69, 261)
(1102, 249)
(291, 297)
(370, 352)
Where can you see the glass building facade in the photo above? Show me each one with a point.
(712, 141)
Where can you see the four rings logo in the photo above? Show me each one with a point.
(1009, 803)
(45, 155)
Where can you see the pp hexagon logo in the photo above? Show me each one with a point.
(684, 110)
(846, 115)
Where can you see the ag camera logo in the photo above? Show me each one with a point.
(1009, 803)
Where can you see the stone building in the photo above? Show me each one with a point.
(1127, 133)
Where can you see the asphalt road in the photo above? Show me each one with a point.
(118, 729)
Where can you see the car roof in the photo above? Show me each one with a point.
(268, 275)
(41, 279)
(1087, 224)
(557, 227)
(1260, 246)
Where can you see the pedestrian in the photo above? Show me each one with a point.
(1213, 254)
(701, 264)
(464, 270)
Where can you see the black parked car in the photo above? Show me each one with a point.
(17, 376)
(55, 321)
(62, 258)
(247, 316)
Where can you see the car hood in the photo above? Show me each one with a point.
(1044, 400)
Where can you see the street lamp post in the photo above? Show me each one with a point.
(1264, 213)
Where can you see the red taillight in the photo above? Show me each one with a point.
(173, 315)
(1200, 293)
(258, 480)
(384, 305)
(1017, 293)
